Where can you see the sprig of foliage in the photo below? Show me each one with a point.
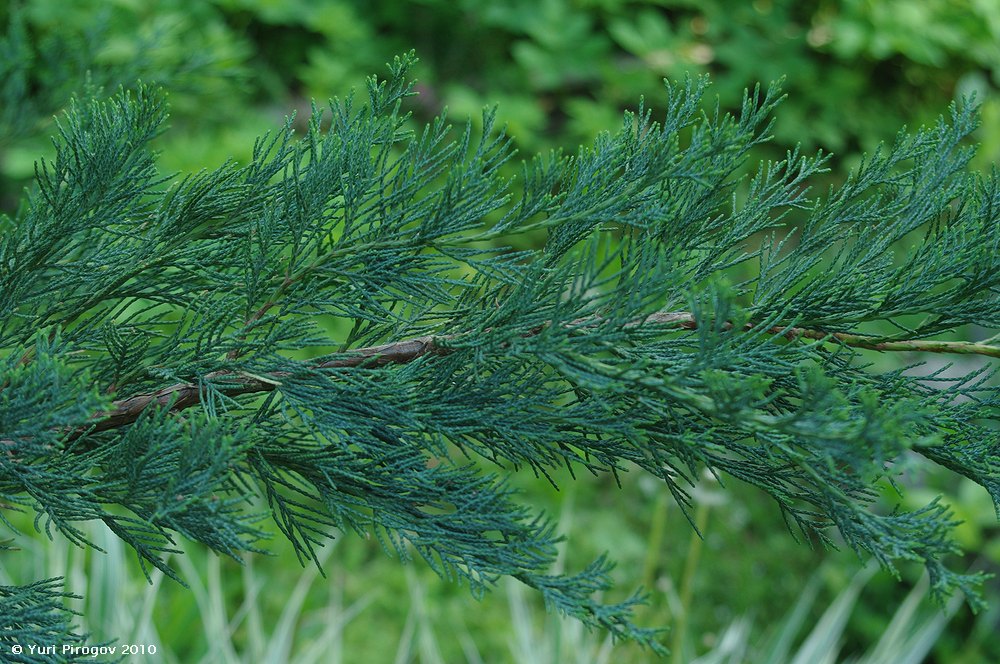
(34, 614)
(338, 333)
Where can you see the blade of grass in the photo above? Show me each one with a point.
(823, 643)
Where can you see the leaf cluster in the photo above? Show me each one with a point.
(340, 335)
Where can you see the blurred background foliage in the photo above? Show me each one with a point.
(856, 71)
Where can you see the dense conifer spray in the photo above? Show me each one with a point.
(348, 334)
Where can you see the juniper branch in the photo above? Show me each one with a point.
(580, 353)
(180, 396)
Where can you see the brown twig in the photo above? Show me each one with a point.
(184, 395)
(234, 383)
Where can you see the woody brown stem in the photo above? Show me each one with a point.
(184, 395)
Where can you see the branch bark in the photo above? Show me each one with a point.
(184, 395)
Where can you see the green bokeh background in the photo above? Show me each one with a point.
(561, 71)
